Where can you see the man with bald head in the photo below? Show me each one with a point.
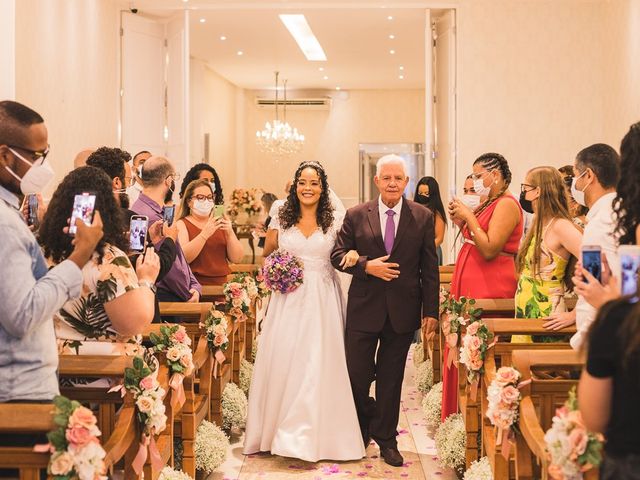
(81, 158)
(158, 176)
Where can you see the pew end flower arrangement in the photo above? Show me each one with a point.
(479, 470)
(451, 440)
(234, 407)
(432, 406)
(503, 405)
(424, 377)
(456, 314)
(141, 381)
(211, 447)
(238, 294)
(76, 453)
(215, 327)
(476, 340)
(572, 449)
(175, 344)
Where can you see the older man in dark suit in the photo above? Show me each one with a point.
(395, 285)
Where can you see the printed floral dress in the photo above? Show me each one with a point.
(82, 325)
(543, 294)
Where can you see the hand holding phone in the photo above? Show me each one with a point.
(592, 260)
(168, 213)
(218, 211)
(629, 269)
(83, 209)
(138, 233)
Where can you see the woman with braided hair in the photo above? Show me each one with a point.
(485, 267)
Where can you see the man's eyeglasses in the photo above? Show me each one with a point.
(175, 176)
(37, 156)
(203, 197)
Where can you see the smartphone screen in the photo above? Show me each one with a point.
(83, 209)
(629, 268)
(592, 262)
(33, 210)
(168, 213)
(138, 233)
(218, 210)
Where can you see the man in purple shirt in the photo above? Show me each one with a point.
(158, 180)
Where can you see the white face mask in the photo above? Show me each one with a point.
(479, 188)
(578, 195)
(471, 201)
(36, 178)
(202, 207)
(213, 187)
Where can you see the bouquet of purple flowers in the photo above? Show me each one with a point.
(282, 272)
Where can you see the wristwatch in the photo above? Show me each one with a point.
(151, 286)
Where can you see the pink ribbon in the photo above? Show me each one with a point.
(473, 389)
(177, 396)
(118, 388)
(219, 360)
(43, 448)
(148, 447)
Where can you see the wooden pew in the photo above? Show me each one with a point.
(539, 402)
(446, 268)
(499, 355)
(245, 267)
(101, 366)
(197, 406)
(506, 306)
(191, 314)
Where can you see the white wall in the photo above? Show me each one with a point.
(67, 70)
(530, 81)
(8, 49)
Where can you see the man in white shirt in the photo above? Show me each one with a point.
(596, 174)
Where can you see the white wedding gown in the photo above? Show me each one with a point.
(300, 401)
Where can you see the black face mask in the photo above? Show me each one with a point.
(526, 205)
(422, 199)
(169, 196)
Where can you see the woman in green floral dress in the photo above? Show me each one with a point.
(547, 248)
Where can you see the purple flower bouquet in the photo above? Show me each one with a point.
(283, 272)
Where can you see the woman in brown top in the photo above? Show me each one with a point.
(207, 240)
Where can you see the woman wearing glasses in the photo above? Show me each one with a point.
(485, 267)
(207, 239)
(547, 248)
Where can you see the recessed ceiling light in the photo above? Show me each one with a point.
(392, 52)
(389, 17)
(401, 77)
(303, 35)
(240, 52)
(326, 77)
(392, 36)
(321, 69)
(185, 1)
(337, 88)
(401, 67)
(202, 20)
(223, 38)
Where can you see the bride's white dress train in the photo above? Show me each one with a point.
(300, 401)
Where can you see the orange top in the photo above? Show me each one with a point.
(210, 267)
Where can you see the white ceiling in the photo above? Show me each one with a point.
(355, 40)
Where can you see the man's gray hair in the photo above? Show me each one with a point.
(391, 159)
(155, 171)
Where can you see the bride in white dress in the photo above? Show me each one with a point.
(300, 402)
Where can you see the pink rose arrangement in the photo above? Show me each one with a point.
(456, 314)
(238, 295)
(283, 272)
(572, 449)
(245, 200)
(175, 343)
(503, 396)
(215, 325)
(75, 449)
(263, 290)
(475, 343)
(141, 381)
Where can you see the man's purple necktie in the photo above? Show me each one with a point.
(389, 231)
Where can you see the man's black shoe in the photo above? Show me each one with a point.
(392, 456)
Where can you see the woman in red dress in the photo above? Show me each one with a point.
(485, 267)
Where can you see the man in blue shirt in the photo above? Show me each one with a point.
(31, 294)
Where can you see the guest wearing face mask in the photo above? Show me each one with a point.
(547, 248)
(158, 177)
(204, 171)
(428, 194)
(133, 191)
(208, 240)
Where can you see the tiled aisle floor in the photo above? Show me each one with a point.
(415, 442)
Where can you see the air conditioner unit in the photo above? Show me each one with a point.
(296, 104)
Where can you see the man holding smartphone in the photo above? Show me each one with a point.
(596, 173)
(32, 294)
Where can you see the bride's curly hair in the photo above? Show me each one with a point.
(627, 202)
(290, 212)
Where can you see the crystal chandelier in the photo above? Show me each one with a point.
(280, 138)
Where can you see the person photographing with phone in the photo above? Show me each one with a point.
(207, 235)
(116, 301)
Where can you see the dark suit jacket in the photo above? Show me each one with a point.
(409, 297)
